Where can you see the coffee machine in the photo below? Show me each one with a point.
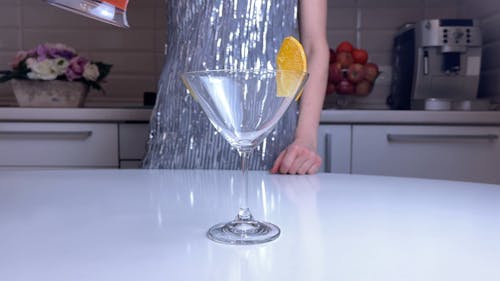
(436, 65)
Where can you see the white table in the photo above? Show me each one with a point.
(148, 225)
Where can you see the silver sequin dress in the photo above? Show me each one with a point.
(215, 34)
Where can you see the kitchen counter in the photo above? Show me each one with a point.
(331, 116)
(81, 114)
(150, 225)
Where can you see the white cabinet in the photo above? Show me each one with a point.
(58, 144)
(72, 145)
(334, 145)
(467, 153)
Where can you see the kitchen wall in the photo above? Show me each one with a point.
(371, 25)
(137, 53)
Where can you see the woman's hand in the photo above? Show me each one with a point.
(297, 158)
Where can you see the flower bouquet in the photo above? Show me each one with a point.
(62, 67)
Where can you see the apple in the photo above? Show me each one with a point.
(359, 56)
(355, 73)
(371, 71)
(332, 55)
(344, 46)
(345, 87)
(335, 73)
(344, 58)
(330, 88)
(363, 88)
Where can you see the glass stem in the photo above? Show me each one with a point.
(244, 212)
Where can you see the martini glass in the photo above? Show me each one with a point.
(244, 106)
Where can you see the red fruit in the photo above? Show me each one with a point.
(345, 87)
(359, 56)
(335, 73)
(344, 46)
(355, 73)
(371, 71)
(330, 88)
(332, 55)
(363, 88)
(345, 59)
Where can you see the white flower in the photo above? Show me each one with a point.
(60, 65)
(43, 70)
(90, 72)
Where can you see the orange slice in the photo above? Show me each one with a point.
(291, 56)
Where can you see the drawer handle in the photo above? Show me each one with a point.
(46, 134)
(417, 137)
(328, 151)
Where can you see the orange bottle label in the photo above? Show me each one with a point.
(121, 4)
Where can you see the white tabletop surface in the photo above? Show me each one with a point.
(148, 225)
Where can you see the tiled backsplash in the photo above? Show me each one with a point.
(137, 53)
(371, 25)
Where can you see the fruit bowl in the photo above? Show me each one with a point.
(350, 72)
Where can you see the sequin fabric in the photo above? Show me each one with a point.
(215, 34)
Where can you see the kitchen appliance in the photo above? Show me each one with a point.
(109, 11)
(436, 65)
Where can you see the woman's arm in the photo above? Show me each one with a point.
(301, 157)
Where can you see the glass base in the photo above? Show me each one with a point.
(243, 232)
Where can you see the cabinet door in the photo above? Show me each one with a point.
(58, 145)
(334, 146)
(133, 140)
(440, 152)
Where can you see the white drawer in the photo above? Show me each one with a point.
(133, 140)
(58, 144)
(441, 152)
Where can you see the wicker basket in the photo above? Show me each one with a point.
(53, 93)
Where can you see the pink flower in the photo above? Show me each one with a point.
(76, 68)
(20, 56)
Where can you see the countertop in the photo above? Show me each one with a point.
(330, 116)
(150, 225)
(80, 114)
(335, 116)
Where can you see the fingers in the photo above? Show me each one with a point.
(277, 162)
(297, 160)
(309, 167)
